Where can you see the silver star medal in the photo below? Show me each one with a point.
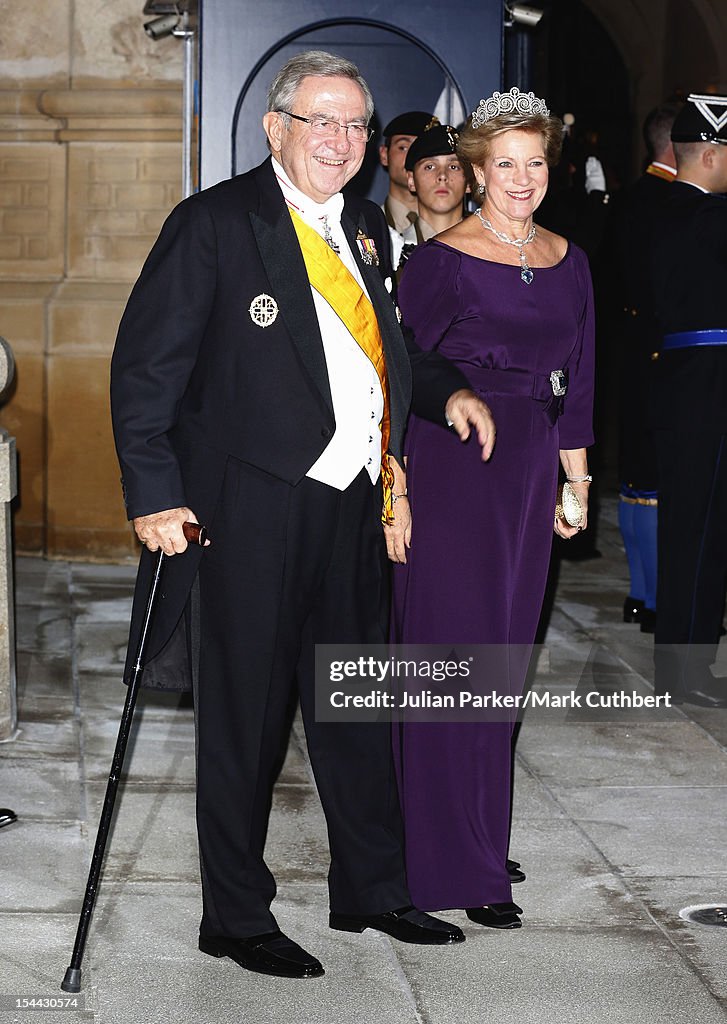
(263, 310)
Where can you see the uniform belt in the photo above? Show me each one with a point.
(638, 501)
(633, 496)
(521, 383)
(690, 339)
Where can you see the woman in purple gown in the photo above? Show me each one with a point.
(511, 305)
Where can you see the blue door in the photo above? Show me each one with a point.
(421, 56)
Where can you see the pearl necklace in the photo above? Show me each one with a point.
(526, 274)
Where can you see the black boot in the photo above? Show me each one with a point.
(633, 609)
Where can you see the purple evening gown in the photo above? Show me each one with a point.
(482, 537)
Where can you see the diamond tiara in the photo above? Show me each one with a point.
(512, 102)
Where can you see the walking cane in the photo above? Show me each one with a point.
(195, 534)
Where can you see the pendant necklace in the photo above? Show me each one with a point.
(526, 274)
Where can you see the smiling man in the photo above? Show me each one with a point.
(260, 382)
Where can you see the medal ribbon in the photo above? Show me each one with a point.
(331, 279)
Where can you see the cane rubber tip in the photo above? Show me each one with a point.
(72, 980)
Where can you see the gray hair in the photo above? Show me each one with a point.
(285, 85)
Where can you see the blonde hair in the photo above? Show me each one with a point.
(475, 144)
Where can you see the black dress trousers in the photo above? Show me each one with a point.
(692, 554)
(289, 567)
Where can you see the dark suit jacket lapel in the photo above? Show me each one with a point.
(285, 268)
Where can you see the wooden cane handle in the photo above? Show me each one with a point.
(194, 533)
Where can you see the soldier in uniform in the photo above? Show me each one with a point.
(437, 178)
(638, 336)
(688, 263)
(400, 206)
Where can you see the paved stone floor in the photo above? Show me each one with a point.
(619, 821)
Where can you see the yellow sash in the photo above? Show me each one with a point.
(331, 279)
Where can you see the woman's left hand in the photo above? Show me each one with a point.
(560, 527)
(398, 535)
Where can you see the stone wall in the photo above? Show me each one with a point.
(90, 164)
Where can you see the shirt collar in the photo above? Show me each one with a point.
(399, 213)
(308, 208)
(694, 185)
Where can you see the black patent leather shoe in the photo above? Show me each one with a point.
(271, 953)
(496, 915)
(633, 609)
(7, 817)
(706, 695)
(406, 924)
(514, 871)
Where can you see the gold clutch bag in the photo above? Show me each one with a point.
(568, 506)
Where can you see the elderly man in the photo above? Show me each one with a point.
(261, 383)
(688, 259)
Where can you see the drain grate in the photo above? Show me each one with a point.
(712, 914)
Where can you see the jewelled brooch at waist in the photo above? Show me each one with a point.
(559, 382)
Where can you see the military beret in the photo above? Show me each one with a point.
(438, 141)
(702, 119)
(413, 122)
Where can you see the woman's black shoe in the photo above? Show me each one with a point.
(496, 915)
(633, 609)
(514, 871)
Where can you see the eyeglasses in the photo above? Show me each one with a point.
(321, 126)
